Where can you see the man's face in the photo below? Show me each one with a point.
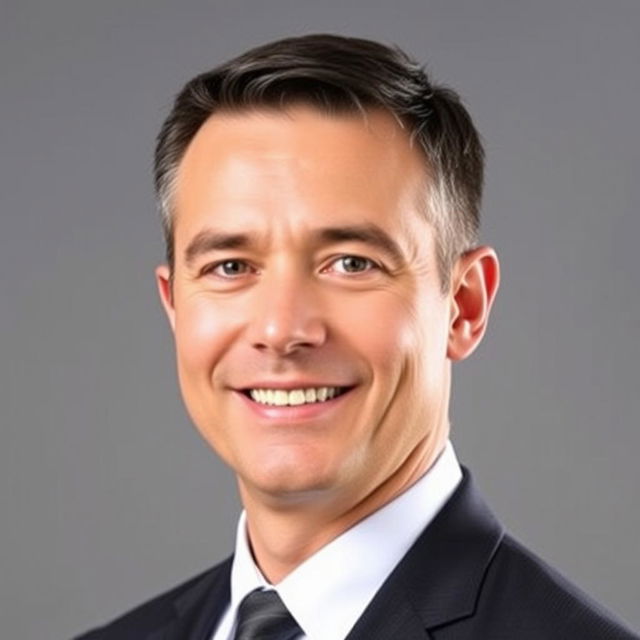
(305, 268)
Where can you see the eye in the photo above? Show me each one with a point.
(228, 268)
(353, 264)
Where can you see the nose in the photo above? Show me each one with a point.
(287, 317)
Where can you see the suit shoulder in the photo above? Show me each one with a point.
(539, 599)
(154, 613)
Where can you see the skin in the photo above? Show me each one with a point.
(288, 305)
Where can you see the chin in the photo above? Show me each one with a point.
(291, 481)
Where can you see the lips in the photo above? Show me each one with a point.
(293, 401)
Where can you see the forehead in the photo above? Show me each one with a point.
(297, 164)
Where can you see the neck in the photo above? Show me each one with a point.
(284, 536)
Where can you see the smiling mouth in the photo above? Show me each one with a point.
(294, 397)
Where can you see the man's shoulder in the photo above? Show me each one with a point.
(465, 577)
(532, 599)
(162, 610)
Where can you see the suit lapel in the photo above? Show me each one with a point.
(198, 610)
(439, 578)
(389, 616)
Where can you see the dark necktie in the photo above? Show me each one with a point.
(263, 616)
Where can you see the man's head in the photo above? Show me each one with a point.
(342, 75)
(314, 331)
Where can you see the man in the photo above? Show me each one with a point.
(320, 203)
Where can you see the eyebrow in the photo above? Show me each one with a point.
(368, 233)
(209, 240)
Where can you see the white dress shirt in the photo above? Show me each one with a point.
(330, 590)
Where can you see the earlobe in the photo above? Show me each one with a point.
(165, 289)
(475, 284)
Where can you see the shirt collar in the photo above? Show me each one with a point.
(328, 592)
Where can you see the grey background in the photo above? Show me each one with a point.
(107, 494)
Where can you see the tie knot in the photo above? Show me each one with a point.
(263, 616)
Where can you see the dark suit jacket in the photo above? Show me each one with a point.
(463, 579)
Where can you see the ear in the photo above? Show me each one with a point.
(475, 280)
(165, 289)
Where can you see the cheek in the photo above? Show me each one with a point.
(431, 347)
(383, 328)
(405, 336)
(202, 333)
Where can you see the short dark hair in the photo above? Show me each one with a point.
(338, 75)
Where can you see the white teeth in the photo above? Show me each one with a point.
(296, 397)
(293, 397)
